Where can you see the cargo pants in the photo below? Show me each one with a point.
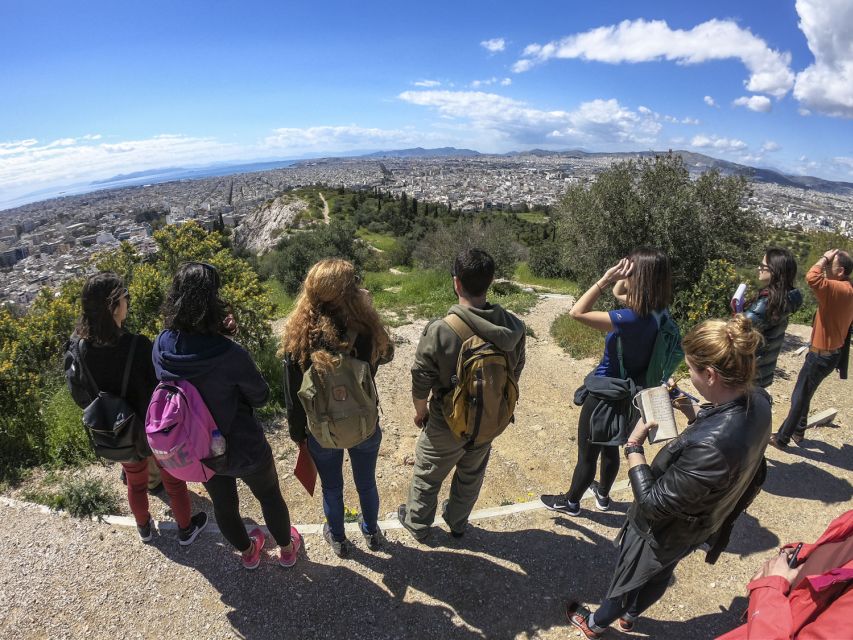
(437, 452)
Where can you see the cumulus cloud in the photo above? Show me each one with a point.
(770, 146)
(717, 143)
(336, 138)
(506, 82)
(647, 41)
(826, 85)
(427, 83)
(596, 121)
(754, 103)
(494, 45)
(710, 101)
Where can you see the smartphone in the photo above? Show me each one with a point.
(793, 559)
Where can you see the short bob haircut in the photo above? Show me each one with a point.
(102, 293)
(651, 281)
(193, 304)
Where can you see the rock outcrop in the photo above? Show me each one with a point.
(261, 229)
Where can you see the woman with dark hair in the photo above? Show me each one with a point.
(104, 349)
(695, 482)
(334, 315)
(642, 281)
(196, 347)
(770, 309)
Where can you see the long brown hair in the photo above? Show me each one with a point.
(330, 304)
(651, 282)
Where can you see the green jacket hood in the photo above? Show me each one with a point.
(493, 323)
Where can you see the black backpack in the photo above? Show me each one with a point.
(115, 431)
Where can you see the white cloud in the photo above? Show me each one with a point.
(427, 83)
(647, 41)
(770, 146)
(717, 143)
(593, 122)
(710, 101)
(483, 83)
(754, 103)
(506, 82)
(336, 138)
(494, 45)
(827, 84)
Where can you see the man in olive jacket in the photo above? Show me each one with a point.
(438, 450)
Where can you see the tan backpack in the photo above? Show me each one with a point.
(482, 401)
(341, 406)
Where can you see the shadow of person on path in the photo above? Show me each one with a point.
(309, 600)
(806, 481)
(709, 625)
(749, 537)
(819, 451)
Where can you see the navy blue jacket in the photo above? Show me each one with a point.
(230, 385)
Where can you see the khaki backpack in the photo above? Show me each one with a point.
(341, 406)
(482, 401)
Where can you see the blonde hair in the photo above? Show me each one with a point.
(331, 304)
(727, 347)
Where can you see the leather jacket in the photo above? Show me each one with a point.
(774, 334)
(696, 480)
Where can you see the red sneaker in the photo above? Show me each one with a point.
(288, 558)
(252, 558)
(578, 616)
(626, 624)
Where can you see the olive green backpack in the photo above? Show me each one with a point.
(482, 401)
(341, 406)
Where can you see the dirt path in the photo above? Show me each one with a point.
(325, 208)
(507, 579)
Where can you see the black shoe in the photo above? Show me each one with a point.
(774, 442)
(797, 439)
(454, 533)
(560, 502)
(197, 524)
(339, 547)
(374, 540)
(401, 516)
(145, 531)
(602, 501)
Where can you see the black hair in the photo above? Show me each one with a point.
(193, 304)
(783, 270)
(475, 269)
(102, 293)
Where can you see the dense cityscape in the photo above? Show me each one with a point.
(48, 242)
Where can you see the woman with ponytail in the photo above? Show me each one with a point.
(685, 496)
(334, 316)
(770, 310)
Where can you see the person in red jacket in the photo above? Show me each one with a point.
(813, 600)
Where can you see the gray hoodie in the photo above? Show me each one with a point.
(438, 350)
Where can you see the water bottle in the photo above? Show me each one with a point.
(217, 443)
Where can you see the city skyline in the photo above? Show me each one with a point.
(104, 90)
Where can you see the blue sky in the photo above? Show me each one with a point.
(100, 89)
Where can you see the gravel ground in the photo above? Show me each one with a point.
(508, 578)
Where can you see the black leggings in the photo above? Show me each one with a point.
(263, 484)
(588, 455)
(636, 601)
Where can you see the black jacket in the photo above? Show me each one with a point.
(297, 422)
(230, 385)
(697, 479)
(615, 414)
(774, 334)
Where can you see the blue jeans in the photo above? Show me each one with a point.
(815, 369)
(330, 464)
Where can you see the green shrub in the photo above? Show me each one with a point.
(707, 298)
(88, 497)
(577, 339)
(546, 261)
(66, 439)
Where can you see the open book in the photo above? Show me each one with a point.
(655, 406)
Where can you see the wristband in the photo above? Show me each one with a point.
(634, 448)
(600, 289)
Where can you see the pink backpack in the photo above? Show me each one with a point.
(179, 429)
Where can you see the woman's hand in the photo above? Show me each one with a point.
(777, 565)
(641, 431)
(619, 271)
(229, 325)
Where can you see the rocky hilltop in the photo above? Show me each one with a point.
(261, 229)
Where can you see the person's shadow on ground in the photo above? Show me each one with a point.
(819, 451)
(803, 480)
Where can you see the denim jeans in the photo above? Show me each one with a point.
(815, 369)
(330, 463)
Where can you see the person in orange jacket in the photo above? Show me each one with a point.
(813, 599)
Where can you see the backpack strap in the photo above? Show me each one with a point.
(459, 326)
(622, 373)
(127, 366)
(87, 375)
